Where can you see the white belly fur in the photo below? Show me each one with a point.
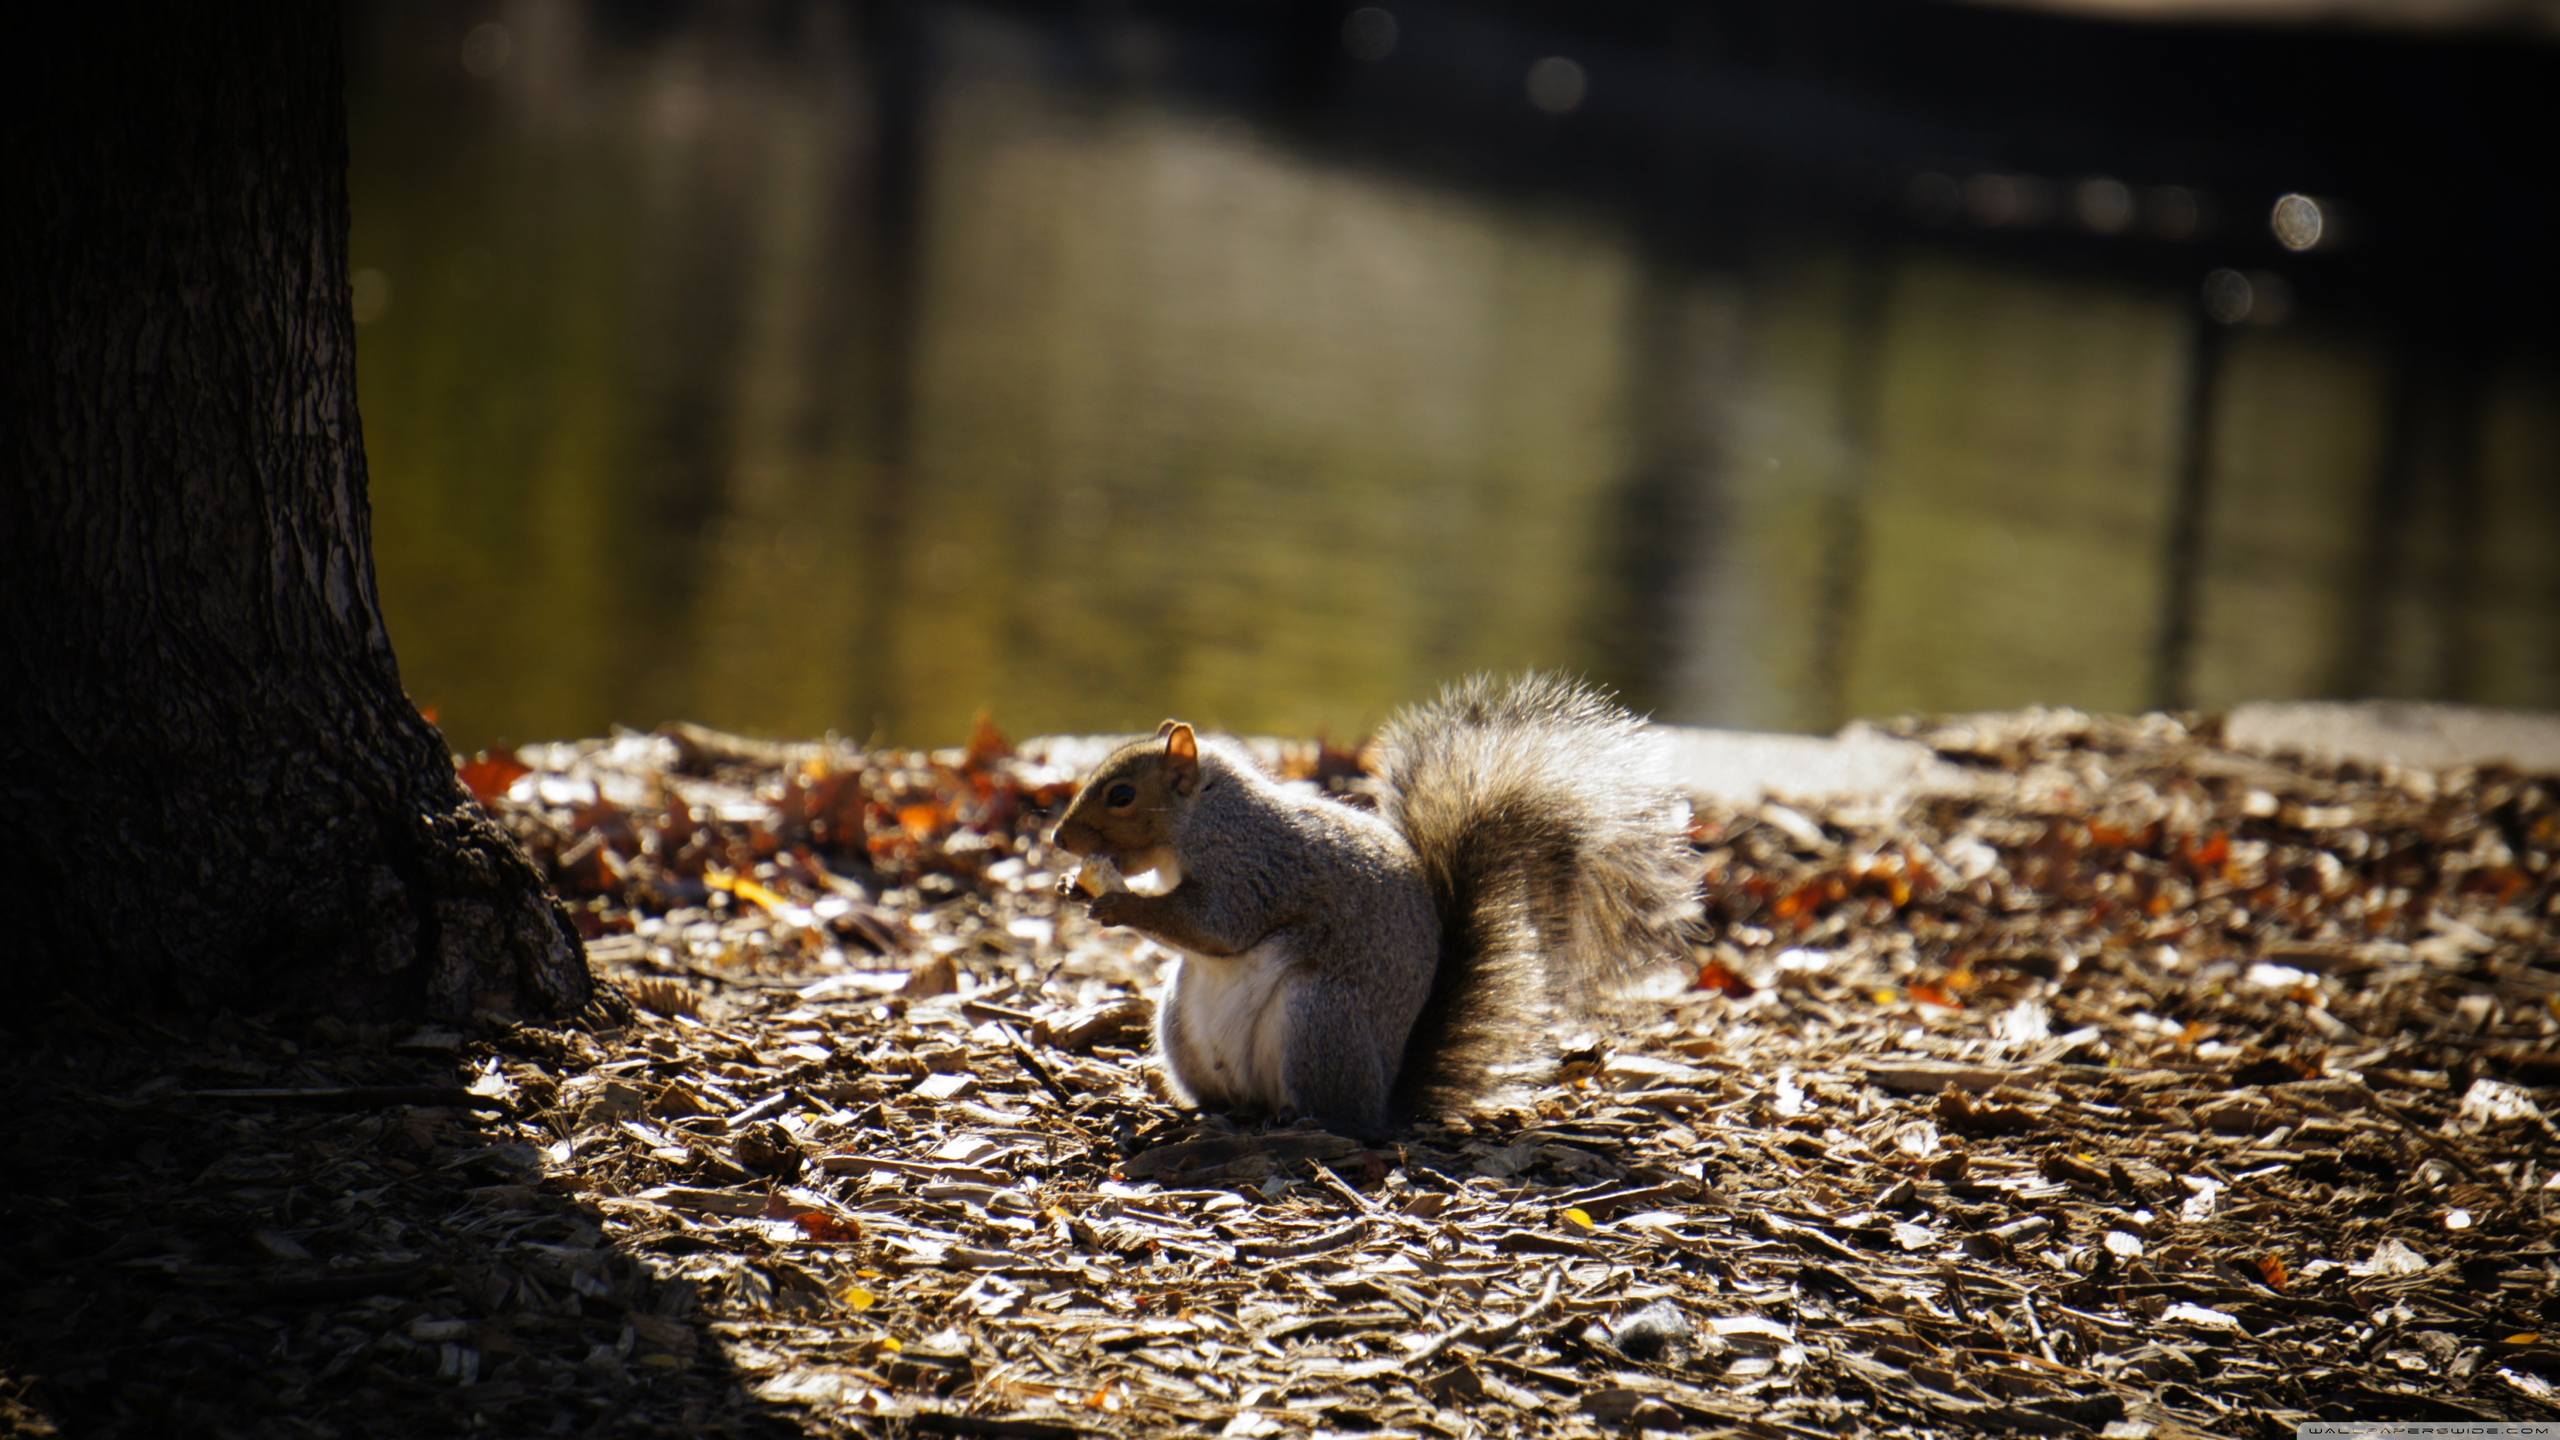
(1233, 1014)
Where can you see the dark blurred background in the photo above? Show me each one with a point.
(806, 367)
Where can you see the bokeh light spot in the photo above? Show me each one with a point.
(2228, 297)
(2103, 204)
(2174, 212)
(1557, 85)
(1369, 33)
(2298, 222)
(2002, 200)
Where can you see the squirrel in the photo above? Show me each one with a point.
(1364, 969)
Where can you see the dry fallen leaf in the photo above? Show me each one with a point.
(794, 1136)
(987, 744)
(491, 774)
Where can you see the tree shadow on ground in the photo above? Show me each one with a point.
(359, 1250)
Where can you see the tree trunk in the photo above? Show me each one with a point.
(212, 787)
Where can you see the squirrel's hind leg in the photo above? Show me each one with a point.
(1333, 1071)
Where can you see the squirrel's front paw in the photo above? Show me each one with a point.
(1117, 907)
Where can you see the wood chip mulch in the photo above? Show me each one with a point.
(2145, 1088)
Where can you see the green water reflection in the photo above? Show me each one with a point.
(692, 390)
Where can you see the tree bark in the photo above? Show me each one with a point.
(213, 789)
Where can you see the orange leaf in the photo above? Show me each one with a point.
(816, 1224)
(2504, 882)
(2271, 1267)
(1717, 976)
(987, 744)
(834, 806)
(492, 774)
(748, 890)
(922, 819)
(819, 1225)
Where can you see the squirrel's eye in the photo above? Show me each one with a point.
(1120, 796)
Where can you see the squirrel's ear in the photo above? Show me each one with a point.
(1166, 728)
(1182, 750)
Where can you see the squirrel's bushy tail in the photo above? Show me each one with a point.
(1558, 858)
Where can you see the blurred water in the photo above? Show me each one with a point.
(713, 368)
